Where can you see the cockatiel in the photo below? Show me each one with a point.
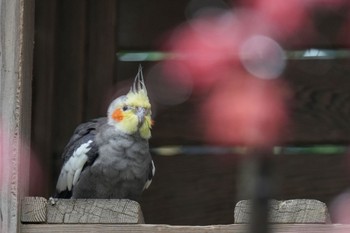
(109, 157)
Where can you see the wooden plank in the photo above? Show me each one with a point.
(70, 67)
(101, 57)
(204, 187)
(89, 228)
(312, 176)
(235, 228)
(142, 22)
(192, 190)
(16, 46)
(154, 18)
(87, 211)
(43, 105)
(295, 211)
(94, 211)
(319, 104)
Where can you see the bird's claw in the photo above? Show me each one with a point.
(53, 200)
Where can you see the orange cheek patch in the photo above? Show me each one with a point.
(118, 115)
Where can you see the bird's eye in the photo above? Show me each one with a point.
(125, 108)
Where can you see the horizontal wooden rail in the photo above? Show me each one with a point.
(145, 228)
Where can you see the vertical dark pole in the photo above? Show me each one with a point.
(262, 193)
(257, 184)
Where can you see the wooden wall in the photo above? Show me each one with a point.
(76, 74)
(203, 189)
(16, 53)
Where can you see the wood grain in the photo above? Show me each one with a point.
(118, 211)
(16, 46)
(235, 228)
(295, 211)
(33, 210)
(94, 211)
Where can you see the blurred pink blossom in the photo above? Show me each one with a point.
(245, 110)
(226, 56)
(340, 208)
(286, 17)
(19, 166)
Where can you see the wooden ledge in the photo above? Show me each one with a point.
(297, 211)
(131, 228)
(40, 210)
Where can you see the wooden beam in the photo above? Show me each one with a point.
(39, 210)
(144, 23)
(141, 23)
(43, 106)
(16, 46)
(70, 73)
(235, 228)
(101, 56)
(319, 110)
(297, 211)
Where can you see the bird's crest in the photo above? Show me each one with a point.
(138, 93)
(139, 83)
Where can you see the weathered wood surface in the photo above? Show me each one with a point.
(234, 228)
(297, 211)
(39, 210)
(33, 210)
(16, 46)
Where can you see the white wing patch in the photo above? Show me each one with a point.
(148, 182)
(72, 168)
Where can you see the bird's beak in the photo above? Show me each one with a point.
(141, 113)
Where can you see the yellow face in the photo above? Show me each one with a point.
(132, 114)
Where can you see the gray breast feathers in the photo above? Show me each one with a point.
(101, 162)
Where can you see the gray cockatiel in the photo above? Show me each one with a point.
(109, 157)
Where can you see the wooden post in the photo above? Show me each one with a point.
(16, 46)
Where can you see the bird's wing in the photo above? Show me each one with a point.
(151, 173)
(80, 151)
